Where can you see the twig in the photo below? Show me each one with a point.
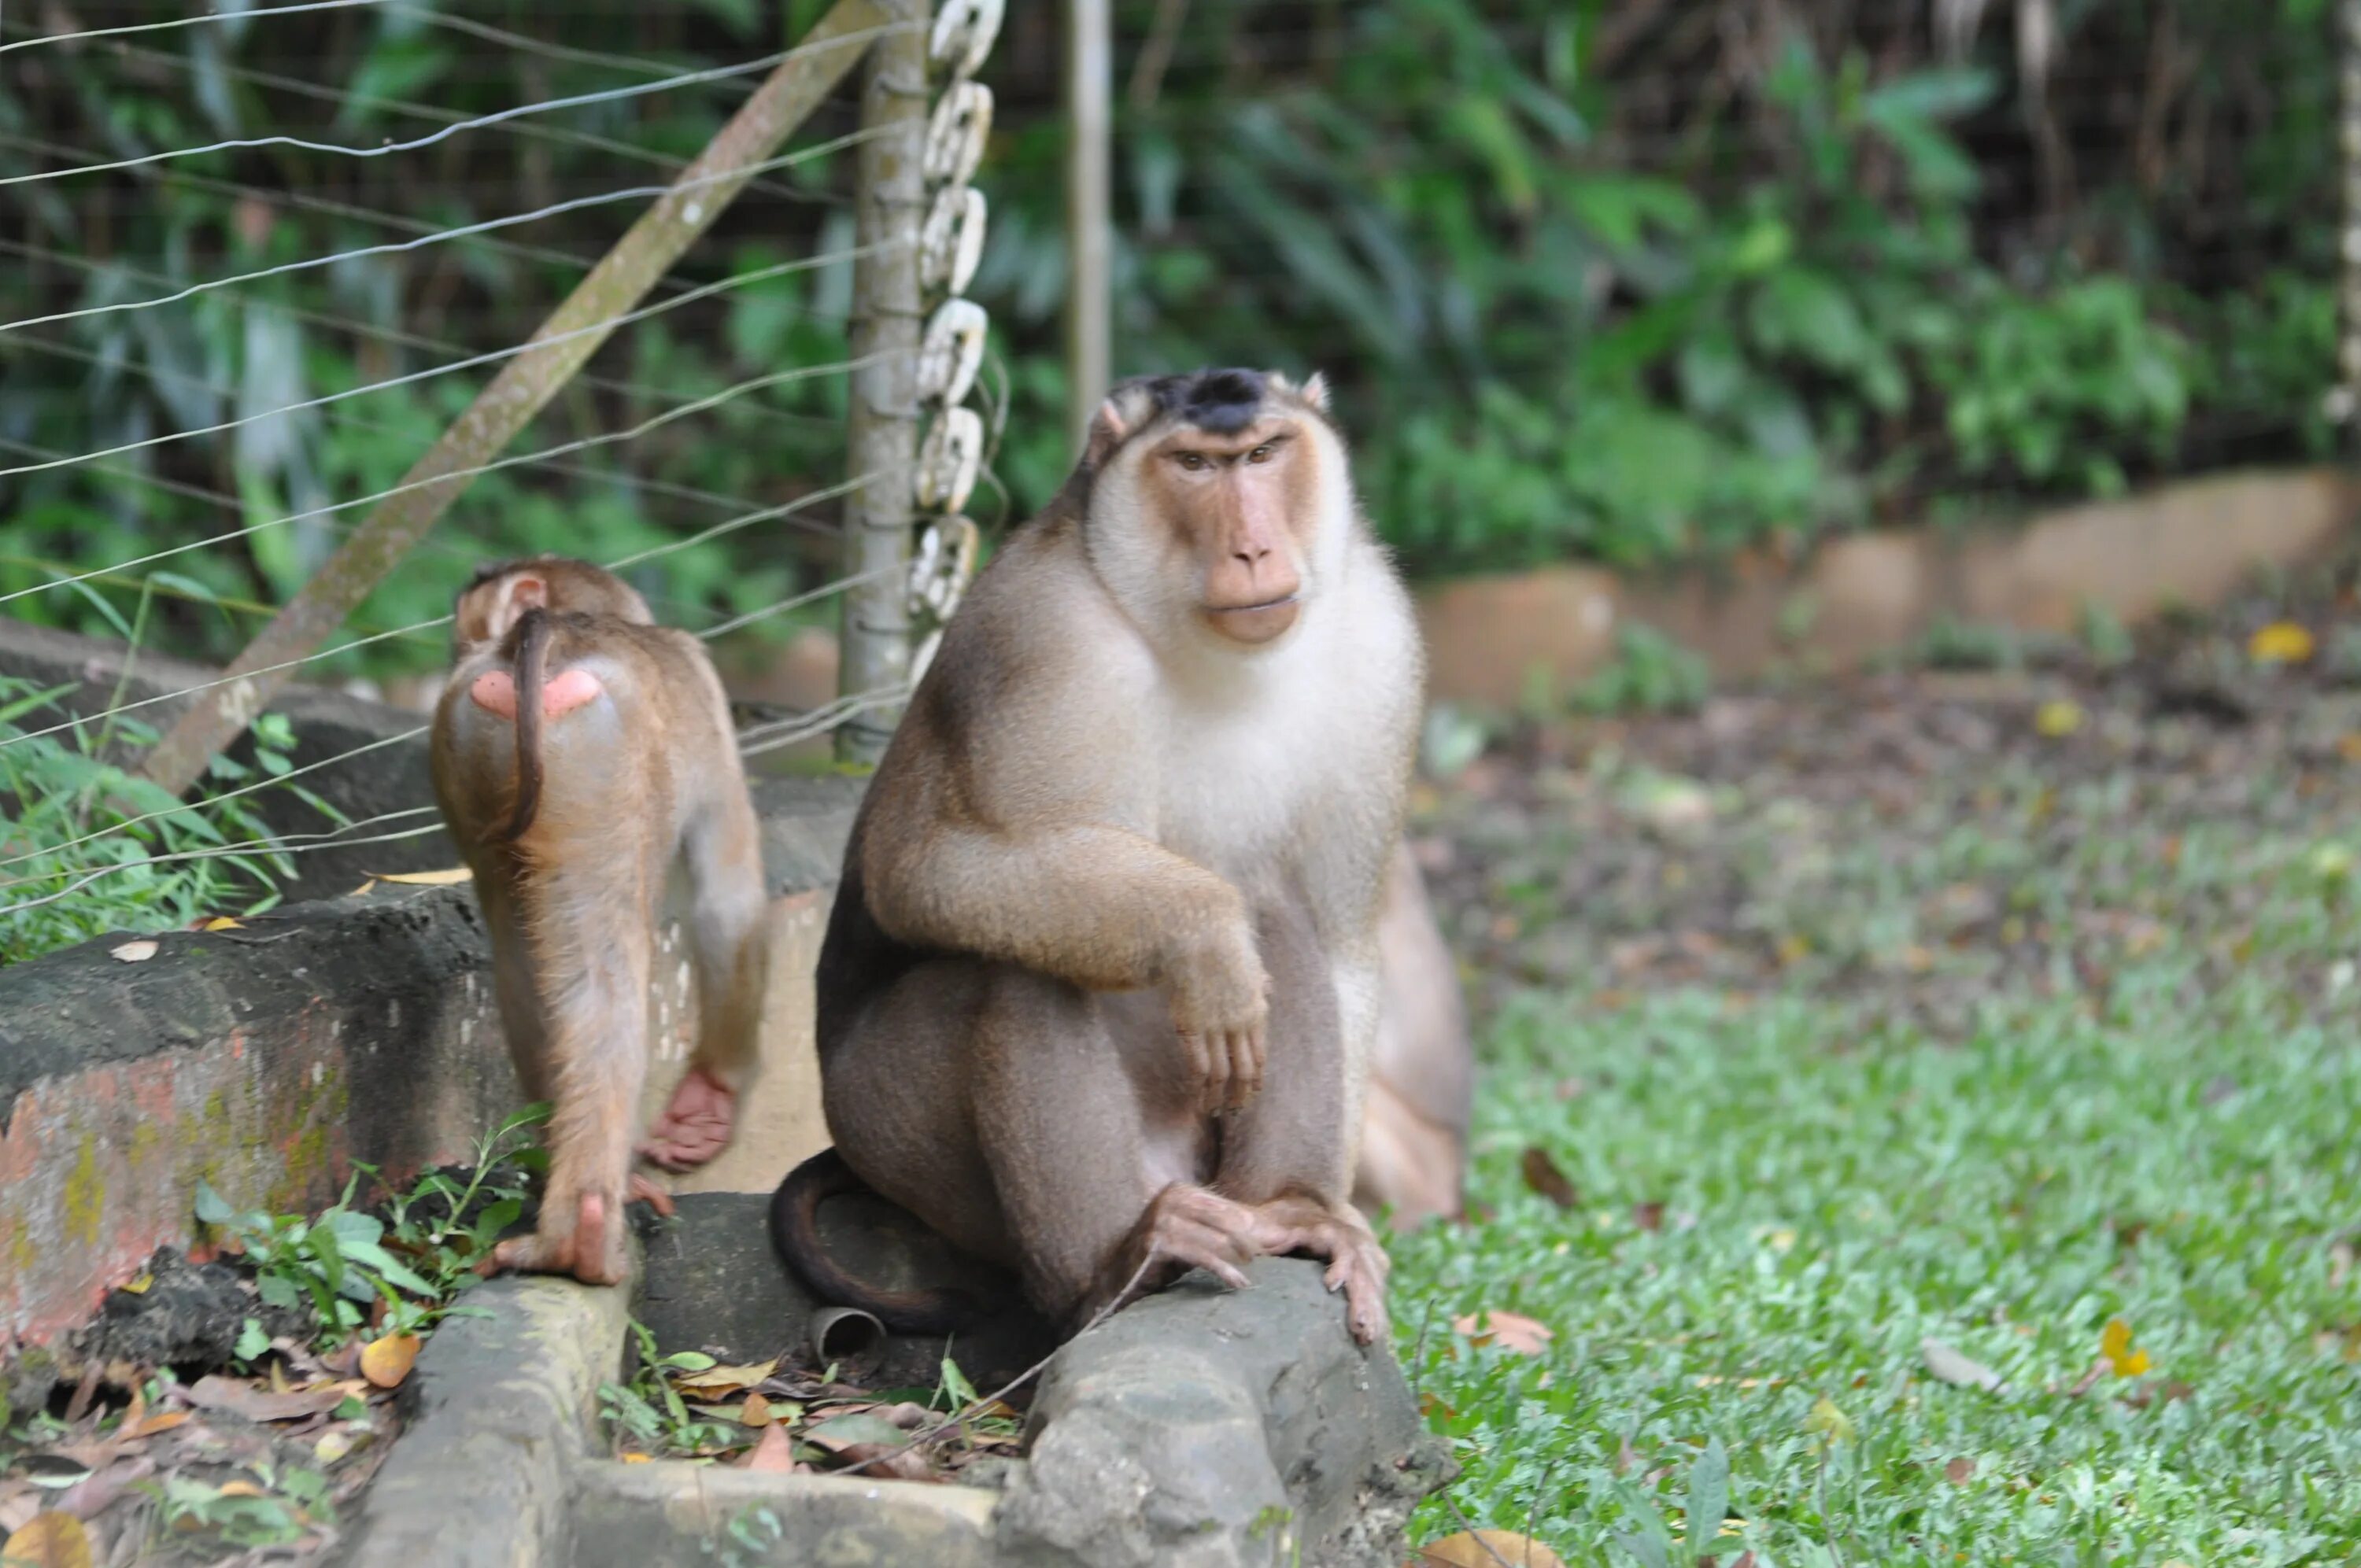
(1532, 1514)
(1418, 1352)
(1475, 1535)
(983, 1402)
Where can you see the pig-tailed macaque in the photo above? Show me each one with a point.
(579, 752)
(1422, 1074)
(1097, 998)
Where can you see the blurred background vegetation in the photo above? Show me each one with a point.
(1636, 282)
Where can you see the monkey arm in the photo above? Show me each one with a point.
(1098, 906)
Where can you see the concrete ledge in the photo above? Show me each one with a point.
(2189, 544)
(266, 1060)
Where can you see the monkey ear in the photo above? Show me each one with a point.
(1108, 427)
(529, 593)
(1316, 391)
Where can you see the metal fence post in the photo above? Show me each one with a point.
(882, 438)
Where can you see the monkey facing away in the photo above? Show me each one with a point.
(1098, 995)
(1421, 1071)
(579, 751)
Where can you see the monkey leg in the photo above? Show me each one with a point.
(732, 953)
(590, 938)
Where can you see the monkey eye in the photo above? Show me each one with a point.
(1192, 461)
(1260, 454)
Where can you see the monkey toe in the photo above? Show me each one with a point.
(643, 1190)
(495, 693)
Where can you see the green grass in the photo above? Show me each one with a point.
(2160, 1129)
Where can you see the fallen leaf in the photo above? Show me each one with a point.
(222, 923)
(1959, 1470)
(362, 889)
(2058, 719)
(1961, 1371)
(333, 1445)
(2115, 1344)
(1487, 1549)
(386, 1360)
(138, 952)
(839, 1432)
(216, 1392)
(635, 1458)
(162, 1420)
(1828, 1422)
(17, 1507)
(139, 1287)
(1509, 1331)
(771, 1452)
(240, 1489)
(1431, 1407)
(756, 1412)
(449, 878)
(90, 1495)
(894, 1461)
(2280, 642)
(1545, 1177)
(53, 1540)
(712, 1380)
(1648, 1216)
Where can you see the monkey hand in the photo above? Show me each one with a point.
(1220, 1007)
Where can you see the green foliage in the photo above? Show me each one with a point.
(649, 1412)
(108, 851)
(287, 1505)
(1650, 674)
(416, 1258)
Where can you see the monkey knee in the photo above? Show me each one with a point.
(495, 693)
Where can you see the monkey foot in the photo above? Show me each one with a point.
(1358, 1264)
(495, 693)
(1186, 1227)
(592, 1251)
(643, 1190)
(696, 1125)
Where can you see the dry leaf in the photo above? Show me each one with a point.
(1959, 1470)
(1829, 1420)
(1545, 1177)
(216, 1392)
(2058, 719)
(2280, 642)
(240, 1489)
(756, 1412)
(2115, 1344)
(222, 923)
(94, 1493)
(163, 1420)
(387, 1360)
(138, 952)
(715, 1380)
(1487, 1549)
(1509, 1331)
(635, 1458)
(894, 1461)
(772, 1452)
(1954, 1368)
(449, 878)
(362, 889)
(18, 1508)
(333, 1445)
(839, 1432)
(139, 1287)
(53, 1540)
(1648, 1216)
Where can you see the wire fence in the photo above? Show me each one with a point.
(264, 265)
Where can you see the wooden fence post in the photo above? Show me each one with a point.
(883, 429)
(568, 339)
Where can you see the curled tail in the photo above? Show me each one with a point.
(532, 661)
(795, 1232)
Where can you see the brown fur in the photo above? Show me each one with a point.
(643, 773)
(1097, 995)
(1414, 1127)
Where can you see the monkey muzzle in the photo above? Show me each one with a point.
(1256, 623)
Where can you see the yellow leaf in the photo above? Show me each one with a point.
(386, 1362)
(1828, 1422)
(756, 1413)
(454, 875)
(635, 1459)
(53, 1540)
(2115, 1344)
(333, 1445)
(240, 1489)
(223, 922)
(1487, 1549)
(2280, 642)
(362, 889)
(714, 1380)
(139, 1287)
(133, 952)
(2058, 719)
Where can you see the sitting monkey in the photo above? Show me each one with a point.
(578, 751)
(1099, 993)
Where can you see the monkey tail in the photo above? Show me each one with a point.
(531, 663)
(795, 1232)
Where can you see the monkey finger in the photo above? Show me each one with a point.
(1196, 1058)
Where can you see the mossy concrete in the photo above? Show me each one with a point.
(267, 1060)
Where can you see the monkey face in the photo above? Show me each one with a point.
(1214, 496)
